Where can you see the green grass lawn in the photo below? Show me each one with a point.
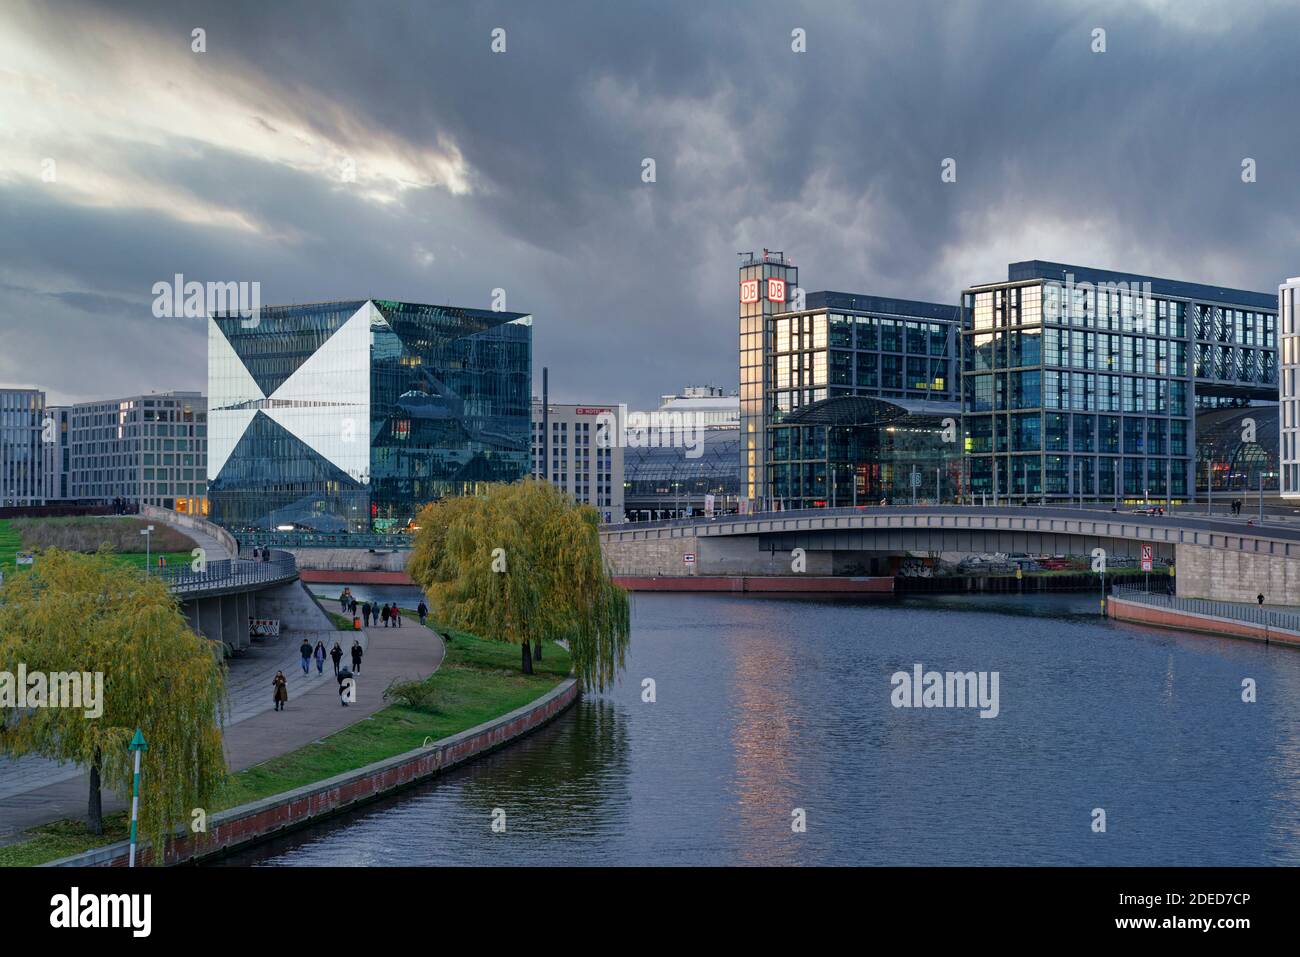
(11, 544)
(477, 681)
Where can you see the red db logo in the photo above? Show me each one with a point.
(749, 290)
(776, 290)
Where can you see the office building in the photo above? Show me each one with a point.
(348, 417)
(145, 449)
(1082, 384)
(22, 455)
(819, 347)
(1288, 298)
(706, 405)
(588, 469)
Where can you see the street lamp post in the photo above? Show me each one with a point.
(146, 532)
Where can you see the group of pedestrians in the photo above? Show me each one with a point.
(387, 613)
(309, 653)
(1236, 506)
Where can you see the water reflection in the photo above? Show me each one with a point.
(768, 705)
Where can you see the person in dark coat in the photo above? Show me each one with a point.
(365, 613)
(383, 613)
(344, 676)
(337, 654)
(281, 686)
(356, 656)
(319, 655)
(305, 650)
(422, 611)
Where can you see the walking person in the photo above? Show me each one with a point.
(1260, 598)
(422, 611)
(384, 615)
(356, 656)
(281, 685)
(365, 613)
(343, 602)
(337, 654)
(347, 686)
(397, 615)
(305, 650)
(320, 657)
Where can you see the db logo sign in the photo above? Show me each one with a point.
(749, 290)
(776, 290)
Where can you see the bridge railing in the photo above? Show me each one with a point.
(1236, 611)
(229, 573)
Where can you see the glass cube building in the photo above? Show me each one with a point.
(1083, 384)
(350, 416)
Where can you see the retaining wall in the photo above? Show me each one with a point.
(1142, 613)
(260, 820)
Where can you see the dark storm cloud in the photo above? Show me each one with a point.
(1127, 159)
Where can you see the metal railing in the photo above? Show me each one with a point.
(395, 540)
(1235, 611)
(229, 573)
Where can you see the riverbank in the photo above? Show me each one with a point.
(477, 682)
(1144, 613)
(800, 584)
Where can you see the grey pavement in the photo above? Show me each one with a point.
(35, 791)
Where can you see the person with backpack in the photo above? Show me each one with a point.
(422, 611)
(320, 657)
(305, 650)
(356, 656)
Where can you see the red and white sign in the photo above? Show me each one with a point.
(583, 410)
(688, 558)
(749, 290)
(1147, 558)
(776, 290)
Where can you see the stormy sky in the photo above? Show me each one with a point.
(341, 151)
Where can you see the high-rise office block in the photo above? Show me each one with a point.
(1082, 384)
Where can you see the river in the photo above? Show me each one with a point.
(768, 705)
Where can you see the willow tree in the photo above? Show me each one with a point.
(521, 563)
(92, 614)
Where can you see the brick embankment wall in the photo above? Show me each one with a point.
(255, 822)
(1144, 614)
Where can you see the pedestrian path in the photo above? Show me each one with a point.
(34, 790)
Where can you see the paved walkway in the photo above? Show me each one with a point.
(35, 791)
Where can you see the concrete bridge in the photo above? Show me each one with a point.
(1223, 559)
(232, 587)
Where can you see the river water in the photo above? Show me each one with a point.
(768, 705)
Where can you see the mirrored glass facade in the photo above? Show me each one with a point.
(865, 451)
(1082, 384)
(350, 416)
